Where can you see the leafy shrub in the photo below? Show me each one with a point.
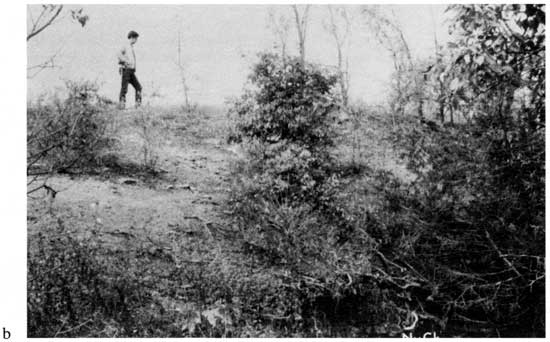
(285, 171)
(286, 120)
(67, 133)
(291, 102)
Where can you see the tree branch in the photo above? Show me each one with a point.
(36, 30)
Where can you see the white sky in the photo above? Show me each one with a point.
(219, 45)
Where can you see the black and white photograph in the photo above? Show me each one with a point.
(284, 171)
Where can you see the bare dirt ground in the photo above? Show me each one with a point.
(192, 163)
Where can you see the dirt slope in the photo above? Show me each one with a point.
(191, 182)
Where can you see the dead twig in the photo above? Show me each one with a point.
(74, 328)
(502, 256)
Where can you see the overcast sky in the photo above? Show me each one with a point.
(219, 44)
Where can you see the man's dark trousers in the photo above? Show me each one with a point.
(129, 76)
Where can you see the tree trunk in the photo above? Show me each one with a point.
(301, 26)
(421, 105)
(182, 73)
(441, 101)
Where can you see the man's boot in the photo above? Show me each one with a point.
(122, 102)
(138, 99)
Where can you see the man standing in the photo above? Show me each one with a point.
(127, 62)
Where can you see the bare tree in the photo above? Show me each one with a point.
(280, 25)
(45, 18)
(301, 21)
(182, 72)
(48, 15)
(388, 32)
(390, 36)
(339, 26)
(441, 98)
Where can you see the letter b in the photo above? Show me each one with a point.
(6, 334)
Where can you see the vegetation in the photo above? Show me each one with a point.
(316, 237)
(65, 134)
(480, 184)
(291, 214)
(287, 120)
(464, 241)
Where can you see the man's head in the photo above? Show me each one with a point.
(133, 36)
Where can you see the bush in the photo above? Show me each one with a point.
(328, 263)
(78, 286)
(66, 134)
(291, 217)
(72, 292)
(286, 120)
(290, 102)
(472, 223)
(285, 172)
(474, 233)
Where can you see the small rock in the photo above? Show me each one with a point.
(179, 187)
(128, 181)
(185, 187)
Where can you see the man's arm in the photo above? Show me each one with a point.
(123, 57)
